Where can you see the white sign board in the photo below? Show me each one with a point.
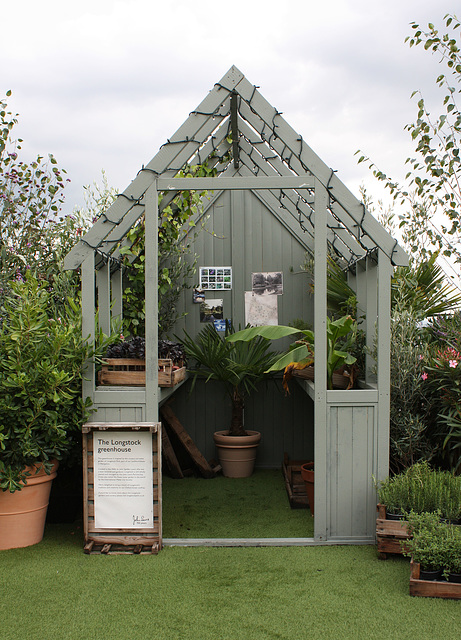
(123, 480)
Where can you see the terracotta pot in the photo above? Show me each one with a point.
(237, 454)
(307, 474)
(23, 513)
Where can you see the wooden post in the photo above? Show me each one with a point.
(103, 286)
(384, 363)
(88, 319)
(320, 349)
(151, 286)
(117, 294)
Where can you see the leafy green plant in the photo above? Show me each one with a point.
(427, 544)
(443, 378)
(433, 543)
(302, 351)
(420, 489)
(176, 266)
(238, 366)
(41, 369)
(433, 180)
(410, 406)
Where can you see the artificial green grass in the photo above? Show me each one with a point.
(54, 591)
(255, 507)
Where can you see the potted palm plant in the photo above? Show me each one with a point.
(239, 367)
(41, 410)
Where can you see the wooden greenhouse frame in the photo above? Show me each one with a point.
(266, 156)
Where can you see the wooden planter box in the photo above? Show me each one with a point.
(131, 372)
(340, 380)
(294, 484)
(430, 588)
(389, 533)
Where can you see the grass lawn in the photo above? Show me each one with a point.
(220, 507)
(54, 591)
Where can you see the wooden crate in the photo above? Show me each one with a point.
(432, 588)
(116, 541)
(294, 484)
(389, 533)
(131, 372)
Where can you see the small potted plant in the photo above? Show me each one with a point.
(239, 367)
(427, 546)
(41, 410)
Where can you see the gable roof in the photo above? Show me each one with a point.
(262, 144)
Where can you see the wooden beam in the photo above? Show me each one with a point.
(187, 442)
(236, 183)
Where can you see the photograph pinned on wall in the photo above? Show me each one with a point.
(198, 296)
(211, 310)
(260, 310)
(267, 283)
(220, 325)
(215, 278)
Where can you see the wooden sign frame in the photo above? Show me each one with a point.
(113, 540)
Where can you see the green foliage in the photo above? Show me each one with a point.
(434, 544)
(340, 339)
(34, 236)
(443, 378)
(41, 360)
(423, 290)
(420, 489)
(175, 269)
(433, 178)
(239, 366)
(341, 298)
(410, 437)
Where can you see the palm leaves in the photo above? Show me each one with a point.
(239, 366)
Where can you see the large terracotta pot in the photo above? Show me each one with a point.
(307, 474)
(23, 513)
(237, 454)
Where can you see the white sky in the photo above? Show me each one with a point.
(102, 84)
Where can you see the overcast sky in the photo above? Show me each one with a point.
(102, 84)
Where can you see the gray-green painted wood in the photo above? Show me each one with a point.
(246, 227)
(322, 479)
(151, 302)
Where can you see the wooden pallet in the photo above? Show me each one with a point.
(389, 533)
(130, 372)
(432, 588)
(294, 484)
(117, 549)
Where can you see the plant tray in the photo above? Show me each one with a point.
(294, 484)
(131, 372)
(432, 588)
(389, 533)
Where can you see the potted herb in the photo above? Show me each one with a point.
(428, 544)
(41, 410)
(239, 367)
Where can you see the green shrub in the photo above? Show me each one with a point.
(41, 362)
(421, 489)
(434, 544)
